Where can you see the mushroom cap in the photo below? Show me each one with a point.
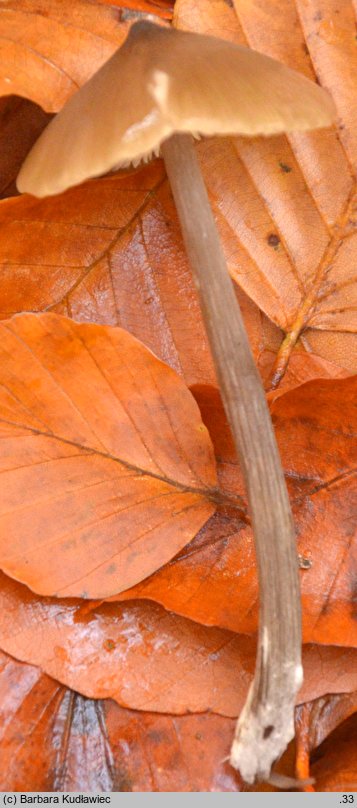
(163, 81)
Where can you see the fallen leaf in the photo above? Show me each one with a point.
(334, 763)
(213, 580)
(28, 706)
(62, 732)
(327, 713)
(171, 753)
(314, 721)
(148, 659)
(286, 206)
(84, 745)
(107, 468)
(248, 232)
(110, 242)
(49, 50)
(107, 245)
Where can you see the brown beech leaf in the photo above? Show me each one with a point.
(213, 580)
(314, 721)
(84, 745)
(110, 251)
(170, 753)
(93, 251)
(106, 465)
(334, 763)
(287, 206)
(152, 242)
(146, 658)
(327, 713)
(51, 739)
(49, 50)
(29, 701)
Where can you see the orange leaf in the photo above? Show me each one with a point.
(334, 763)
(286, 205)
(171, 753)
(284, 214)
(109, 241)
(327, 713)
(314, 721)
(29, 704)
(106, 465)
(78, 744)
(214, 579)
(148, 659)
(50, 50)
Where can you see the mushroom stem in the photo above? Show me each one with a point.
(266, 724)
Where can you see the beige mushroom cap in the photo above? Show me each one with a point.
(163, 81)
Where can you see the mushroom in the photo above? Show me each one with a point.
(160, 88)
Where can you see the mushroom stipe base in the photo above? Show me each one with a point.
(266, 724)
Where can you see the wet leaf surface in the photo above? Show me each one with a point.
(84, 745)
(146, 658)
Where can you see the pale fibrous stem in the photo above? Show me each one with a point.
(266, 724)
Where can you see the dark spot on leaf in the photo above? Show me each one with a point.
(121, 781)
(268, 731)
(273, 240)
(112, 568)
(229, 3)
(108, 645)
(157, 737)
(284, 167)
